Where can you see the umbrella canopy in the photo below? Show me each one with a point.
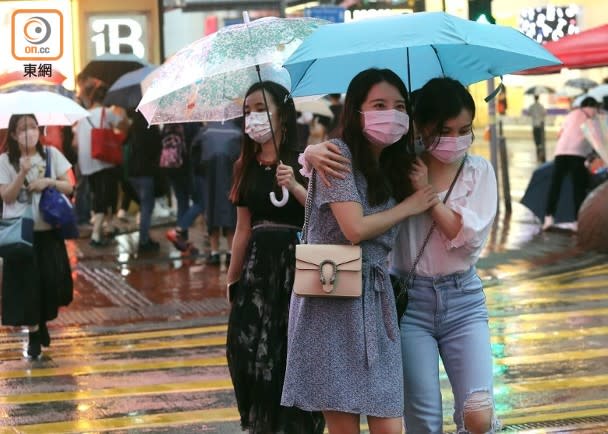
(417, 46)
(36, 87)
(581, 83)
(586, 49)
(537, 193)
(128, 89)
(49, 108)
(109, 67)
(17, 77)
(599, 92)
(539, 89)
(319, 107)
(207, 80)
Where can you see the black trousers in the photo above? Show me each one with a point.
(564, 164)
(539, 142)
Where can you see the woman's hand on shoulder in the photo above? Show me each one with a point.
(420, 201)
(328, 161)
(419, 174)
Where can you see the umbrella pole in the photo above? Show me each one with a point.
(285, 192)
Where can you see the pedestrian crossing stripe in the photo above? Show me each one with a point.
(210, 385)
(209, 416)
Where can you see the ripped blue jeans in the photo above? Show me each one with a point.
(446, 317)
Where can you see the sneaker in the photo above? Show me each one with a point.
(213, 259)
(34, 344)
(548, 222)
(149, 246)
(178, 240)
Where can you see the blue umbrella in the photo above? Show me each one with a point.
(127, 90)
(417, 46)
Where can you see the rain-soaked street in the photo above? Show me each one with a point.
(141, 348)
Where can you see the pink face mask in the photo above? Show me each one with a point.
(385, 127)
(450, 149)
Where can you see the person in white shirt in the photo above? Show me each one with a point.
(538, 113)
(571, 151)
(33, 286)
(446, 314)
(103, 177)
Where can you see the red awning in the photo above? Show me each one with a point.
(588, 49)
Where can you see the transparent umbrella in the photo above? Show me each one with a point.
(206, 80)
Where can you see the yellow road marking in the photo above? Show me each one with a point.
(104, 368)
(226, 384)
(547, 336)
(552, 357)
(71, 340)
(558, 297)
(549, 316)
(116, 392)
(534, 287)
(228, 415)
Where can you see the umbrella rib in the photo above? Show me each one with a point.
(438, 59)
(302, 76)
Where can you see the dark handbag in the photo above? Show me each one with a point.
(400, 285)
(17, 236)
(55, 207)
(106, 143)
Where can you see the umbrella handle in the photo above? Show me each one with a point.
(280, 203)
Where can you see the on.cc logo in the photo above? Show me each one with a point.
(37, 34)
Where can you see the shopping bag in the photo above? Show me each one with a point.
(106, 143)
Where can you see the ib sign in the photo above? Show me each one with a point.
(37, 34)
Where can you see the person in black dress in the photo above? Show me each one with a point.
(261, 272)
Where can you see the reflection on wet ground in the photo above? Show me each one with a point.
(141, 348)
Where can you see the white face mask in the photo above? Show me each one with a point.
(385, 127)
(451, 149)
(28, 137)
(257, 127)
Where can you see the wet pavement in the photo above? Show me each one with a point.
(141, 348)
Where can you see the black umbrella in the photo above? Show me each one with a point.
(537, 90)
(537, 192)
(126, 92)
(581, 83)
(109, 67)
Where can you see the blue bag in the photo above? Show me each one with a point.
(55, 207)
(17, 236)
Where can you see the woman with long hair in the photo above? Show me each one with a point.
(261, 272)
(344, 355)
(446, 316)
(33, 287)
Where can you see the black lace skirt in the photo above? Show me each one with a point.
(33, 288)
(257, 336)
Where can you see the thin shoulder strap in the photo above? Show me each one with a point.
(428, 235)
(308, 206)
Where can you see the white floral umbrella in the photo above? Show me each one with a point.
(49, 108)
(207, 80)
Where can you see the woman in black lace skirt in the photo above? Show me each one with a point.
(261, 271)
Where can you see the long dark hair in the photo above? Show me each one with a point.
(388, 177)
(288, 148)
(439, 100)
(14, 153)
